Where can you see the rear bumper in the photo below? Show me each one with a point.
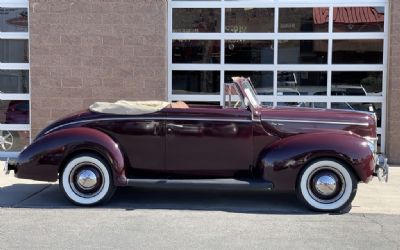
(8, 165)
(382, 168)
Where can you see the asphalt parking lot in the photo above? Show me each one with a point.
(35, 215)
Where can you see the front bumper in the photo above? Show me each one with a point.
(381, 168)
(8, 165)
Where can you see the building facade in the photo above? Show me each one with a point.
(60, 56)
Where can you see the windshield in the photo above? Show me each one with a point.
(251, 93)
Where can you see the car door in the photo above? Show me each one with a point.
(209, 142)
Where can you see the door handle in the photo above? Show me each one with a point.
(171, 126)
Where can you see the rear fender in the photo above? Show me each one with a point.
(43, 159)
(281, 162)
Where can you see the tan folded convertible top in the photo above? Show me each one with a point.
(123, 107)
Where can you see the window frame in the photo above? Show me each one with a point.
(276, 36)
(16, 66)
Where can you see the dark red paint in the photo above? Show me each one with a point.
(206, 142)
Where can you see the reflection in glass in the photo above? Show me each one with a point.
(249, 51)
(358, 106)
(303, 19)
(302, 51)
(195, 82)
(14, 112)
(196, 20)
(241, 20)
(304, 104)
(263, 81)
(302, 83)
(366, 51)
(357, 83)
(267, 103)
(13, 140)
(233, 97)
(358, 19)
(13, 19)
(14, 51)
(14, 81)
(196, 51)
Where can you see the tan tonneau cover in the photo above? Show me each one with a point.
(123, 107)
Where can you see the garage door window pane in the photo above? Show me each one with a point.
(303, 19)
(357, 83)
(13, 20)
(303, 52)
(195, 82)
(14, 51)
(357, 51)
(14, 112)
(249, 51)
(263, 81)
(196, 20)
(196, 51)
(304, 104)
(14, 81)
(13, 141)
(358, 19)
(364, 106)
(302, 83)
(250, 20)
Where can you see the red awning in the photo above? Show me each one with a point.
(349, 15)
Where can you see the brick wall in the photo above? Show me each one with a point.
(393, 126)
(83, 51)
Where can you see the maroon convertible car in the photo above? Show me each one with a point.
(321, 154)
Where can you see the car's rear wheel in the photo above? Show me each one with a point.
(327, 186)
(86, 180)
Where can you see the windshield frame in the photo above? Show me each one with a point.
(248, 91)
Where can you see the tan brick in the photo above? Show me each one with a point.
(393, 127)
(71, 82)
(60, 72)
(71, 40)
(84, 51)
(82, 7)
(115, 41)
(102, 50)
(59, 6)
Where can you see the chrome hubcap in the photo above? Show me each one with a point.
(326, 184)
(86, 179)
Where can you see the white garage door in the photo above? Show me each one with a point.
(322, 54)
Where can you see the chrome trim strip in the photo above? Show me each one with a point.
(149, 118)
(320, 122)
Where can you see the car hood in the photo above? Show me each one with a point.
(293, 120)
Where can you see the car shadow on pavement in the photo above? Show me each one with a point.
(48, 196)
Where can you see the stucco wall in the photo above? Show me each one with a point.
(83, 51)
(393, 126)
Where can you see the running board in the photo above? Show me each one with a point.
(246, 184)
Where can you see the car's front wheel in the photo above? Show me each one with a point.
(327, 186)
(86, 180)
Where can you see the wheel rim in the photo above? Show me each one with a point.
(326, 185)
(6, 140)
(86, 180)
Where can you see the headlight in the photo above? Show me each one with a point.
(372, 143)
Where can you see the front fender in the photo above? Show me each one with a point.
(42, 159)
(281, 162)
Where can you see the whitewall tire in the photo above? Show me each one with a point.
(327, 186)
(86, 180)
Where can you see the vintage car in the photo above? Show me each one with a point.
(321, 154)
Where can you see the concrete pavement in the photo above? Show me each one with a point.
(36, 215)
(375, 197)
